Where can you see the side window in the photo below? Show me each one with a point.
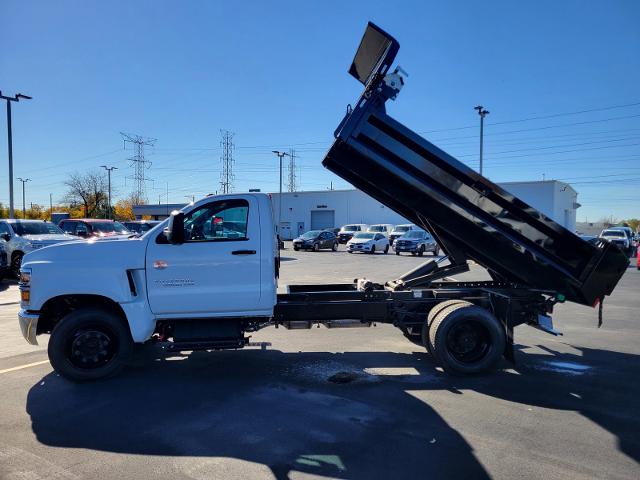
(378, 236)
(4, 229)
(224, 220)
(81, 229)
(68, 227)
(324, 236)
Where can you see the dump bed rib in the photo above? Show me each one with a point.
(465, 211)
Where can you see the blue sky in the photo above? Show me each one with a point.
(275, 74)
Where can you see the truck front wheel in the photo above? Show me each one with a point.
(88, 344)
(466, 339)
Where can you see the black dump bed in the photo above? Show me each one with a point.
(467, 213)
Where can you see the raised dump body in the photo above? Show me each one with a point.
(471, 217)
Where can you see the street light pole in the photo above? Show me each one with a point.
(483, 113)
(24, 208)
(280, 155)
(15, 98)
(109, 170)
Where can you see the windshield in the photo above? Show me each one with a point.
(109, 227)
(377, 228)
(612, 233)
(414, 234)
(363, 235)
(311, 234)
(36, 228)
(350, 228)
(402, 228)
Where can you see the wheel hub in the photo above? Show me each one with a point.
(91, 349)
(468, 341)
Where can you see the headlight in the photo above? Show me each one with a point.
(25, 276)
(25, 285)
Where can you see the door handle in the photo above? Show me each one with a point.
(243, 252)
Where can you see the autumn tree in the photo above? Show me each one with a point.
(88, 191)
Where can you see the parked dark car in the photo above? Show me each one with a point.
(93, 227)
(335, 230)
(316, 240)
(416, 242)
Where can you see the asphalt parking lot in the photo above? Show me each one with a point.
(569, 408)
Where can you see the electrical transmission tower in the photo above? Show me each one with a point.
(139, 163)
(226, 174)
(292, 184)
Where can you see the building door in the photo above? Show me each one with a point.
(321, 219)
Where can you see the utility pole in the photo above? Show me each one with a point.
(24, 208)
(15, 98)
(51, 207)
(109, 170)
(226, 173)
(292, 186)
(280, 155)
(192, 197)
(138, 162)
(483, 113)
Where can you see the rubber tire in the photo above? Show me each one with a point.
(435, 310)
(16, 261)
(386, 249)
(453, 314)
(373, 250)
(350, 251)
(421, 251)
(296, 248)
(334, 247)
(397, 253)
(316, 247)
(66, 327)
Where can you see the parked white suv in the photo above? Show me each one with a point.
(384, 228)
(348, 231)
(24, 236)
(617, 237)
(399, 231)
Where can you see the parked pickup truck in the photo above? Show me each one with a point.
(209, 274)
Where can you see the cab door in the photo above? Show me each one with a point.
(216, 271)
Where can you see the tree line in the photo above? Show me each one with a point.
(86, 196)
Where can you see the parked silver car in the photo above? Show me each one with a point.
(416, 242)
(24, 236)
(4, 263)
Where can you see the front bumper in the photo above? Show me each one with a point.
(406, 248)
(358, 247)
(28, 325)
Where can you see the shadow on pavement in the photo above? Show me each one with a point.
(279, 409)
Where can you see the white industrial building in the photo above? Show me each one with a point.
(303, 211)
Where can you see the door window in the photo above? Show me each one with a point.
(68, 227)
(81, 230)
(4, 229)
(217, 221)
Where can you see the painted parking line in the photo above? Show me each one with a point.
(20, 367)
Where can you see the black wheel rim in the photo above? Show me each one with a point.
(92, 347)
(468, 341)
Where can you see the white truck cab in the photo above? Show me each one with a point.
(217, 258)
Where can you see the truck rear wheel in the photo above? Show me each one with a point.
(435, 310)
(89, 344)
(466, 339)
